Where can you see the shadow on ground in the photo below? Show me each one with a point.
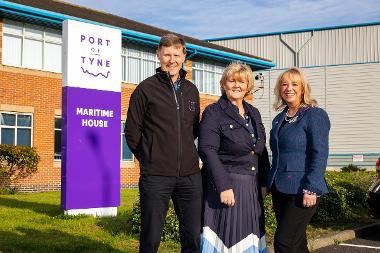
(120, 224)
(50, 241)
(43, 208)
(369, 233)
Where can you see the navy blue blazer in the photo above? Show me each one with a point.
(300, 150)
(226, 144)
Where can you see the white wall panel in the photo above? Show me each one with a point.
(315, 48)
(353, 105)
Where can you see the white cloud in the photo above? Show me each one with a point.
(217, 18)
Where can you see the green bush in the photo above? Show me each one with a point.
(351, 168)
(5, 190)
(345, 203)
(17, 162)
(171, 226)
(270, 218)
(347, 198)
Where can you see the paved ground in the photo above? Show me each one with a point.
(367, 241)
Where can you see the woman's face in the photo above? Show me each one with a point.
(235, 88)
(291, 92)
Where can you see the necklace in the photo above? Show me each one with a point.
(290, 119)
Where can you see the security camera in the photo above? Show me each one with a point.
(259, 76)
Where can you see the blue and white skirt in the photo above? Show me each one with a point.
(237, 229)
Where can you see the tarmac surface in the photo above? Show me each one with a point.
(362, 240)
(366, 240)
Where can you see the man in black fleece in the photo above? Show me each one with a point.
(161, 126)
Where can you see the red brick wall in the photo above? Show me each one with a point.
(41, 90)
(129, 170)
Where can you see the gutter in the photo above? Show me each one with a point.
(292, 31)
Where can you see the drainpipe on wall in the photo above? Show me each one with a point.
(296, 53)
(188, 57)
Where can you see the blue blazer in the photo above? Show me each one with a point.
(226, 145)
(300, 150)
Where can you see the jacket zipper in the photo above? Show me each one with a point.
(178, 124)
(180, 136)
(183, 108)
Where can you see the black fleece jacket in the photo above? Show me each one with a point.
(162, 125)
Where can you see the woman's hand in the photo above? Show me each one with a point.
(227, 197)
(309, 200)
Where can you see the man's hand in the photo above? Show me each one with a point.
(227, 197)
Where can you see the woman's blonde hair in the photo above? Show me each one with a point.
(294, 75)
(240, 72)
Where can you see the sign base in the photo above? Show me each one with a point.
(96, 212)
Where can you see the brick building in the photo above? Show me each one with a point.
(30, 77)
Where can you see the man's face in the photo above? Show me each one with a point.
(171, 59)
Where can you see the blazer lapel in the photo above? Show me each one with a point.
(229, 109)
(299, 115)
(235, 116)
(277, 124)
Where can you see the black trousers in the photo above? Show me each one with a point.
(292, 219)
(186, 194)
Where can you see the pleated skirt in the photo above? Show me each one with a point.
(237, 229)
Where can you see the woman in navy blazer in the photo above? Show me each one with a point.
(299, 143)
(235, 166)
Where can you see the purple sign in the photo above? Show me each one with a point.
(90, 148)
(91, 102)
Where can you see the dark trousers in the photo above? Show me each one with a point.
(292, 219)
(186, 194)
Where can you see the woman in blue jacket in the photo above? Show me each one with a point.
(299, 143)
(235, 165)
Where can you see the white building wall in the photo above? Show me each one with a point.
(343, 68)
(353, 97)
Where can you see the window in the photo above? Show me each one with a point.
(126, 154)
(16, 129)
(57, 138)
(138, 63)
(206, 76)
(31, 46)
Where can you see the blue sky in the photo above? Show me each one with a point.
(220, 18)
